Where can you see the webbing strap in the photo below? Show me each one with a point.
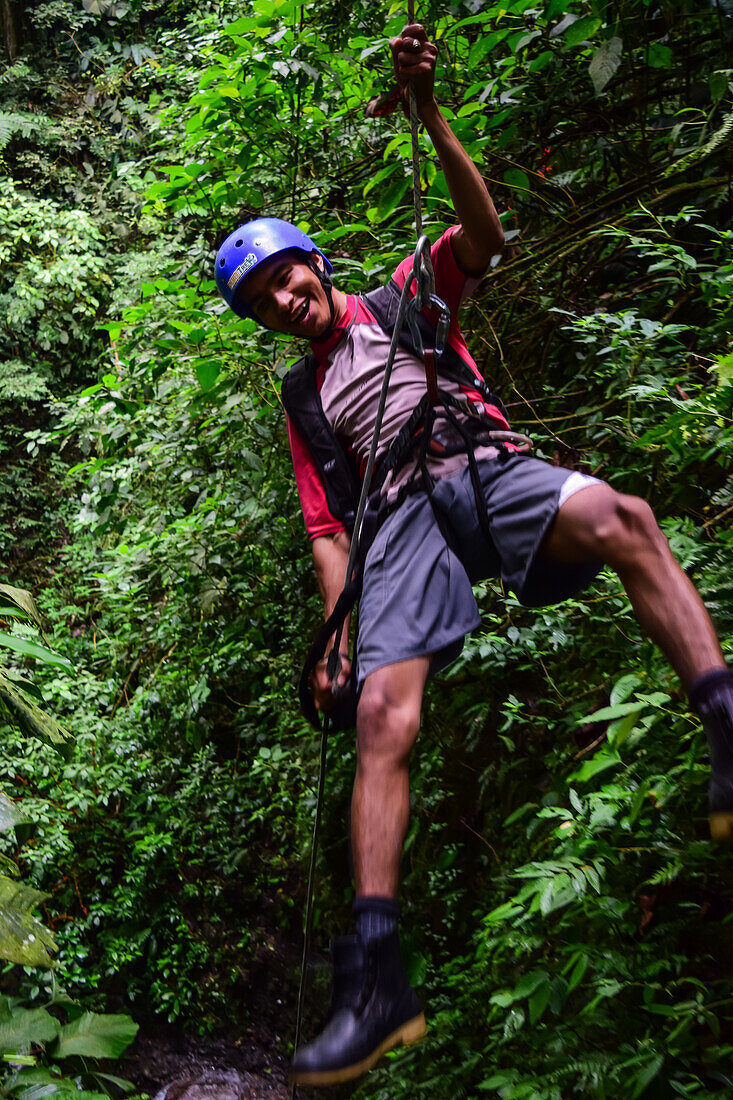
(402, 442)
(431, 378)
(421, 262)
(341, 610)
(481, 509)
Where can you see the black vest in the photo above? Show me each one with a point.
(303, 405)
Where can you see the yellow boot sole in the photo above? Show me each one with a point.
(721, 826)
(405, 1035)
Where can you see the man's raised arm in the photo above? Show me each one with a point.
(480, 235)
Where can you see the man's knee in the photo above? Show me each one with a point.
(386, 725)
(624, 528)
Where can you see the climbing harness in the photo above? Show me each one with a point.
(404, 319)
(371, 509)
(422, 274)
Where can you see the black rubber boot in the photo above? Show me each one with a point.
(718, 726)
(373, 1009)
(716, 713)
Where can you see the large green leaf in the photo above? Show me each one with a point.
(23, 939)
(26, 686)
(517, 179)
(610, 714)
(119, 1082)
(32, 649)
(96, 1036)
(539, 1001)
(9, 867)
(10, 611)
(582, 29)
(724, 367)
(24, 600)
(19, 1027)
(33, 718)
(605, 62)
(11, 814)
(390, 200)
(40, 1082)
(660, 56)
(207, 373)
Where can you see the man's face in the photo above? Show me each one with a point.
(287, 296)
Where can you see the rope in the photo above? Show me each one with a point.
(308, 919)
(334, 660)
(423, 245)
(423, 249)
(414, 123)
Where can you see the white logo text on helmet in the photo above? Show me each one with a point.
(249, 260)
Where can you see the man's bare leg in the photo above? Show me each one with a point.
(599, 524)
(374, 1006)
(388, 720)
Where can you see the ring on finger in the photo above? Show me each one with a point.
(416, 44)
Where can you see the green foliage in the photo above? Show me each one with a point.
(93, 1036)
(16, 693)
(23, 939)
(26, 1033)
(54, 279)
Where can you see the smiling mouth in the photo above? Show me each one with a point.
(302, 313)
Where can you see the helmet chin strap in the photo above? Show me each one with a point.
(327, 283)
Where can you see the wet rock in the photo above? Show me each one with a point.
(226, 1085)
(170, 1065)
(214, 1086)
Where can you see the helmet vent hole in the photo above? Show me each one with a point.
(238, 244)
(222, 262)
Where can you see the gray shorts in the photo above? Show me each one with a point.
(417, 598)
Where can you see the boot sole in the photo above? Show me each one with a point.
(405, 1035)
(721, 826)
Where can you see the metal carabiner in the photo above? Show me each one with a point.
(441, 331)
(424, 276)
(422, 272)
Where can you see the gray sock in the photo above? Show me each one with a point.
(375, 917)
(711, 690)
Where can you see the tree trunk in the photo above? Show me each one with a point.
(11, 13)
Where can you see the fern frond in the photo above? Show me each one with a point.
(13, 123)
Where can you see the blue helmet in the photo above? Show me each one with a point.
(249, 246)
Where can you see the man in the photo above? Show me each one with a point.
(550, 530)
